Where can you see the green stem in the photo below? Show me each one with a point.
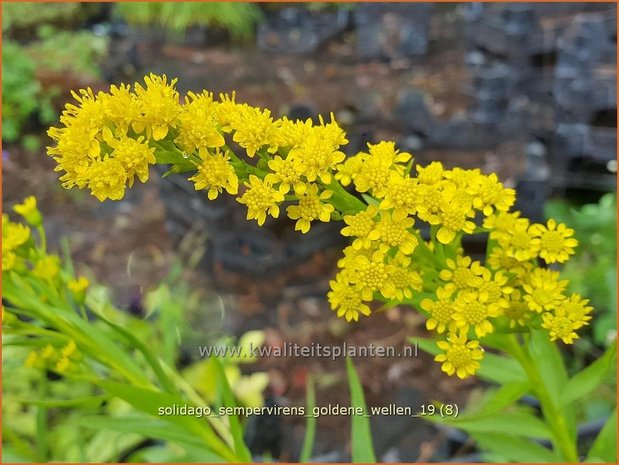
(343, 200)
(41, 421)
(552, 415)
(43, 238)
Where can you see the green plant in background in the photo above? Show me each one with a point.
(23, 15)
(593, 270)
(27, 102)
(238, 19)
(23, 95)
(84, 381)
(79, 53)
(90, 367)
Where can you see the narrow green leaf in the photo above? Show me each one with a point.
(78, 401)
(500, 369)
(361, 435)
(517, 423)
(235, 425)
(151, 427)
(604, 448)
(427, 345)
(547, 357)
(310, 429)
(587, 380)
(515, 449)
(149, 401)
(501, 398)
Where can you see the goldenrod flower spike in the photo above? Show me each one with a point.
(106, 141)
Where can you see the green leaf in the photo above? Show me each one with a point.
(503, 397)
(500, 369)
(604, 448)
(154, 428)
(235, 426)
(10, 456)
(549, 362)
(310, 429)
(588, 379)
(87, 401)
(361, 435)
(518, 423)
(170, 157)
(427, 345)
(149, 401)
(515, 449)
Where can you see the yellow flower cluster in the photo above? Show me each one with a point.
(273, 164)
(61, 360)
(15, 236)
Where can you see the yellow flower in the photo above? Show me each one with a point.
(577, 308)
(134, 155)
(360, 225)
(495, 287)
(310, 208)
(253, 129)
(518, 241)
(33, 360)
(69, 349)
(215, 173)
(371, 275)
(499, 259)
(463, 179)
(500, 223)
(78, 288)
(78, 285)
(289, 133)
(555, 242)
(472, 309)
(405, 279)
(62, 365)
(8, 260)
(47, 268)
(440, 311)
(460, 357)
(346, 300)
(29, 211)
(401, 194)
(122, 108)
(570, 315)
(346, 172)
(350, 255)
(227, 111)
(197, 123)
(375, 173)
(393, 231)
(463, 273)
(431, 174)
(453, 215)
(48, 352)
(490, 194)
(159, 107)
(14, 235)
(428, 203)
(318, 152)
(106, 178)
(517, 310)
(543, 290)
(261, 199)
(288, 173)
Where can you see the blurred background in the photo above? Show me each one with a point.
(524, 90)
